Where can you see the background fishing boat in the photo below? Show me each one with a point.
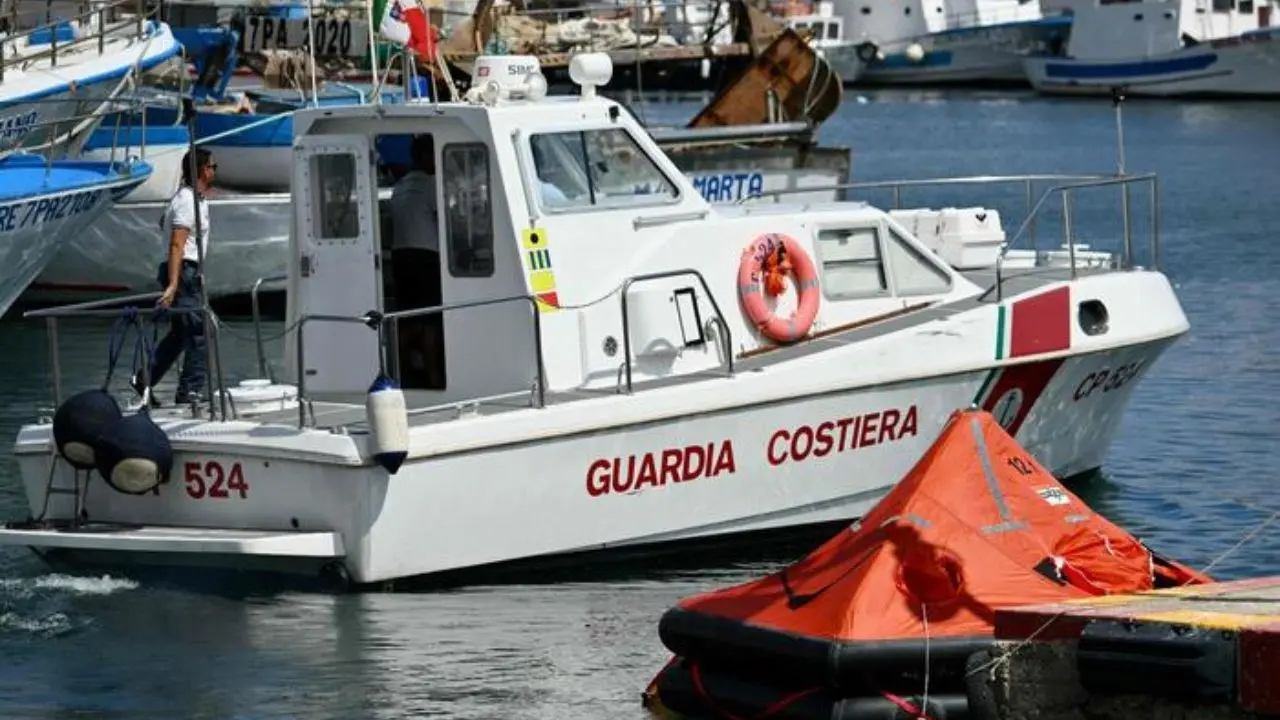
(43, 203)
(56, 78)
(1157, 48)
(756, 137)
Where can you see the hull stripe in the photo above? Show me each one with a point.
(1000, 333)
(986, 385)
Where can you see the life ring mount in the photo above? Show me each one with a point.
(765, 264)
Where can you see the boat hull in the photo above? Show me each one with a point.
(120, 253)
(1246, 66)
(34, 229)
(162, 147)
(708, 459)
(62, 105)
(991, 54)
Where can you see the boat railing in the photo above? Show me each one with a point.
(116, 307)
(1064, 191)
(725, 334)
(379, 322)
(11, 57)
(1063, 185)
(64, 128)
(987, 17)
(256, 310)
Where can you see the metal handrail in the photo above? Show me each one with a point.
(61, 311)
(898, 185)
(257, 321)
(112, 308)
(378, 320)
(1066, 183)
(6, 61)
(122, 105)
(726, 339)
(1068, 229)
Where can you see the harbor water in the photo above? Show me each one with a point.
(1193, 472)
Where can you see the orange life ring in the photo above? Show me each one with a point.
(763, 268)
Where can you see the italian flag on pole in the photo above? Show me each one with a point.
(405, 22)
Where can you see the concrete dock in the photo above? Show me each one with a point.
(1207, 651)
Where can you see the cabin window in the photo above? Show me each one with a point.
(596, 168)
(833, 31)
(912, 272)
(852, 266)
(1223, 5)
(468, 210)
(1245, 7)
(337, 213)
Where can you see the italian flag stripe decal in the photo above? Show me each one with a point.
(1000, 332)
(1031, 326)
(1035, 325)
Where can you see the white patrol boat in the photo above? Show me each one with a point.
(623, 365)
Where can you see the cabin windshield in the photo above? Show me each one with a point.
(595, 169)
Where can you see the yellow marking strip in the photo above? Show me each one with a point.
(533, 239)
(1107, 600)
(542, 281)
(1209, 619)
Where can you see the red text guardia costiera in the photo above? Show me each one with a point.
(694, 462)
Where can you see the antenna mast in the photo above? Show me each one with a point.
(373, 51)
(1117, 101)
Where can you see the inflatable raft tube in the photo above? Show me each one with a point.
(751, 651)
(693, 691)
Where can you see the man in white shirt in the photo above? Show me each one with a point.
(415, 267)
(179, 276)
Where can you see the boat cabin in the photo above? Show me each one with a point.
(563, 231)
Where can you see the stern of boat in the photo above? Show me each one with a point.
(224, 505)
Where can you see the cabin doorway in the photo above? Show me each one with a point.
(412, 248)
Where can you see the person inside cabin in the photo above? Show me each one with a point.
(179, 275)
(415, 266)
(552, 195)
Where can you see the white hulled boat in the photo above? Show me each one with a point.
(939, 42)
(57, 79)
(617, 371)
(1167, 48)
(44, 203)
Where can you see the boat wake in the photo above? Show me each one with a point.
(36, 606)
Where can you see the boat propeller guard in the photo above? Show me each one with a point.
(764, 267)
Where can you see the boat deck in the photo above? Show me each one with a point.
(352, 417)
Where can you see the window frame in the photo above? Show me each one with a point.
(529, 173)
(449, 241)
(845, 227)
(929, 259)
(320, 225)
(883, 232)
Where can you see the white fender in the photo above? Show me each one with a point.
(388, 423)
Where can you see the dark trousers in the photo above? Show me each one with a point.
(416, 273)
(186, 335)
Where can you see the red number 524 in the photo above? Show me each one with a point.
(210, 479)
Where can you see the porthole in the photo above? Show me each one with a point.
(1093, 317)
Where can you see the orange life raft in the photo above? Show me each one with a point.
(764, 266)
